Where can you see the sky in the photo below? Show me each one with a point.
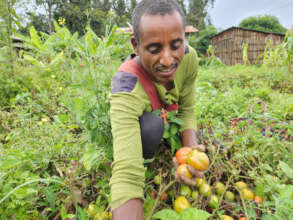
(228, 13)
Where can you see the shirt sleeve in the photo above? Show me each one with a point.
(128, 172)
(186, 104)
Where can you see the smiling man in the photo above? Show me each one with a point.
(161, 74)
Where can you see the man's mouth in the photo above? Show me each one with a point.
(167, 71)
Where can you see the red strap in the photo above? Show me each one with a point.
(131, 66)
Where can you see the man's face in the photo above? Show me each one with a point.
(161, 45)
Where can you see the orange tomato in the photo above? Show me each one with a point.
(182, 154)
(182, 169)
(243, 218)
(198, 160)
(258, 199)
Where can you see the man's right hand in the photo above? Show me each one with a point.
(131, 210)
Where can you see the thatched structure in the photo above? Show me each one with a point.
(228, 44)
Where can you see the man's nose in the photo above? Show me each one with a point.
(166, 58)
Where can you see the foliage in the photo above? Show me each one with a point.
(80, 13)
(268, 23)
(280, 55)
(202, 40)
(211, 59)
(187, 214)
(57, 129)
(245, 54)
(197, 13)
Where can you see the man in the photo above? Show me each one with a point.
(170, 66)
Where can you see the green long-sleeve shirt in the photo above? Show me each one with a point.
(128, 102)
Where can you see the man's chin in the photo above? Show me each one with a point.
(165, 81)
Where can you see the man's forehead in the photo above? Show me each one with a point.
(149, 16)
(150, 22)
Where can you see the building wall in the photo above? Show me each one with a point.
(228, 45)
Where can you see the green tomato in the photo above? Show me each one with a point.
(240, 185)
(247, 194)
(158, 179)
(205, 189)
(199, 182)
(185, 190)
(92, 210)
(101, 216)
(194, 195)
(214, 202)
(220, 187)
(229, 196)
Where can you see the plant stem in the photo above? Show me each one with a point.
(162, 189)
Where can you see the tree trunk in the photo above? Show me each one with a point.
(51, 29)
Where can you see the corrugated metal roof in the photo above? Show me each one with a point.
(128, 30)
(265, 32)
(190, 29)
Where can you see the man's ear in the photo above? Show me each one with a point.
(134, 45)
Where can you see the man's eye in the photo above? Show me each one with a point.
(176, 46)
(154, 50)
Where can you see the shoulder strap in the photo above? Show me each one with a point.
(131, 66)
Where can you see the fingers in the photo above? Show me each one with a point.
(175, 162)
(195, 172)
(186, 180)
(200, 147)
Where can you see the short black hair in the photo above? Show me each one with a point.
(154, 7)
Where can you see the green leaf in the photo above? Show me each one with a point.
(166, 214)
(193, 213)
(286, 192)
(174, 129)
(166, 134)
(286, 169)
(176, 120)
(57, 60)
(91, 158)
(33, 61)
(259, 190)
(36, 39)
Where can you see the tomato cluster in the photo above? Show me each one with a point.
(186, 156)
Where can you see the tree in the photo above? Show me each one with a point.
(268, 23)
(197, 12)
(48, 5)
(203, 39)
(78, 13)
(39, 21)
(133, 4)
